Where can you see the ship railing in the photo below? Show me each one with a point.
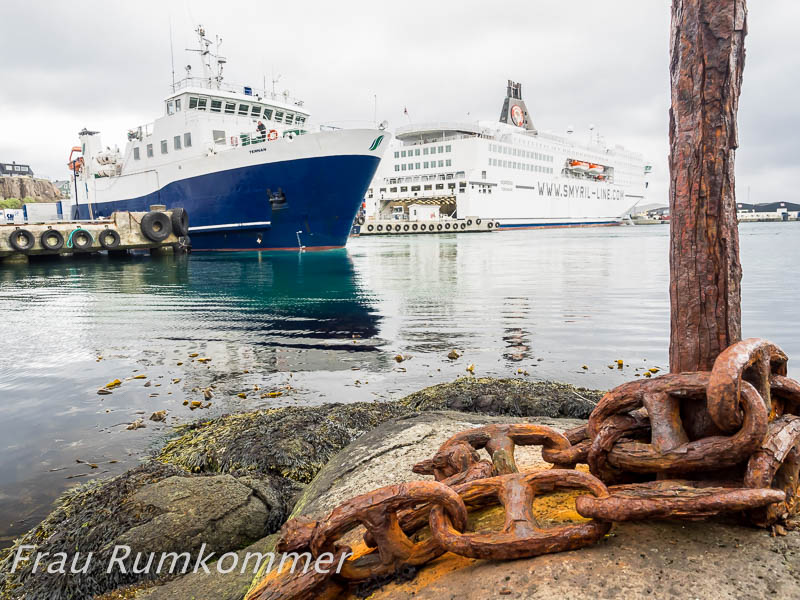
(257, 137)
(235, 88)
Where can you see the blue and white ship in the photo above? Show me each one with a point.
(244, 163)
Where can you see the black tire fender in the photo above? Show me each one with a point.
(439, 227)
(156, 226)
(180, 222)
(51, 240)
(477, 221)
(109, 239)
(21, 240)
(81, 240)
(490, 225)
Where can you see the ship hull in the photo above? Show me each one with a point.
(231, 209)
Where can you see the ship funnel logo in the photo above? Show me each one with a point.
(375, 143)
(516, 115)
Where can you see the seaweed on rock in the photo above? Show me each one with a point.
(293, 442)
(86, 519)
(510, 397)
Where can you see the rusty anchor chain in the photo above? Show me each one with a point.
(520, 537)
(658, 444)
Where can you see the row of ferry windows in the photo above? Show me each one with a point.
(425, 165)
(517, 152)
(509, 164)
(177, 144)
(425, 151)
(244, 110)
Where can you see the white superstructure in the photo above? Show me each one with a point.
(506, 171)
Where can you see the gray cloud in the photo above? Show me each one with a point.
(107, 66)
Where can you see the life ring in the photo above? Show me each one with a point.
(156, 226)
(414, 227)
(180, 222)
(105, 242)
(51, 240)
(490, 225)
(21, 240)
(272, 135)
(370, 227)
(80, 240)
(477, 221)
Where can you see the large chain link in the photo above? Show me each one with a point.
(742, 417)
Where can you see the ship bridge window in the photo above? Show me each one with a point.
(187, 140)
(439, 186)
(230, 108)
(255, 111)
(170, 108)
(176, 142)
(268, 114)
(416, 152)
(219, 136)
(149, 150)
(136, 153)
(397, 167)
(192, 102)
(397, 154)
(178, 105)
(244, 109)
(163, 146)
(393, 190)
(201, 103)
(289, 118)
(216, 105)
(279, 116)
(449, 148)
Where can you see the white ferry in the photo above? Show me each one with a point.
(506, 172)
(244, 164)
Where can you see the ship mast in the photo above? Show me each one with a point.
(213, 63)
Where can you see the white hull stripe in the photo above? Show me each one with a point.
(231, 226)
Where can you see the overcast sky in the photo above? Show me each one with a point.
(106, 66)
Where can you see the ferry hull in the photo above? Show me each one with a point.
(231, 209)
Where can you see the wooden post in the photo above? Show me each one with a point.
(707, 59)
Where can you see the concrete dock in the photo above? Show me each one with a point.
(157, 229)
(401, 227)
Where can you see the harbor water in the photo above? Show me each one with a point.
(372, 322)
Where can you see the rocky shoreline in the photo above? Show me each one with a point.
(232, 481)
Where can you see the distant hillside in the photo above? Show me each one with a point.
(16, 191)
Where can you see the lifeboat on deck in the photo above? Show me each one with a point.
(596, 169)
(579, 166)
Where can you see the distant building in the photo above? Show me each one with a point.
(65, 187)
(770, 211)
(15, 169)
